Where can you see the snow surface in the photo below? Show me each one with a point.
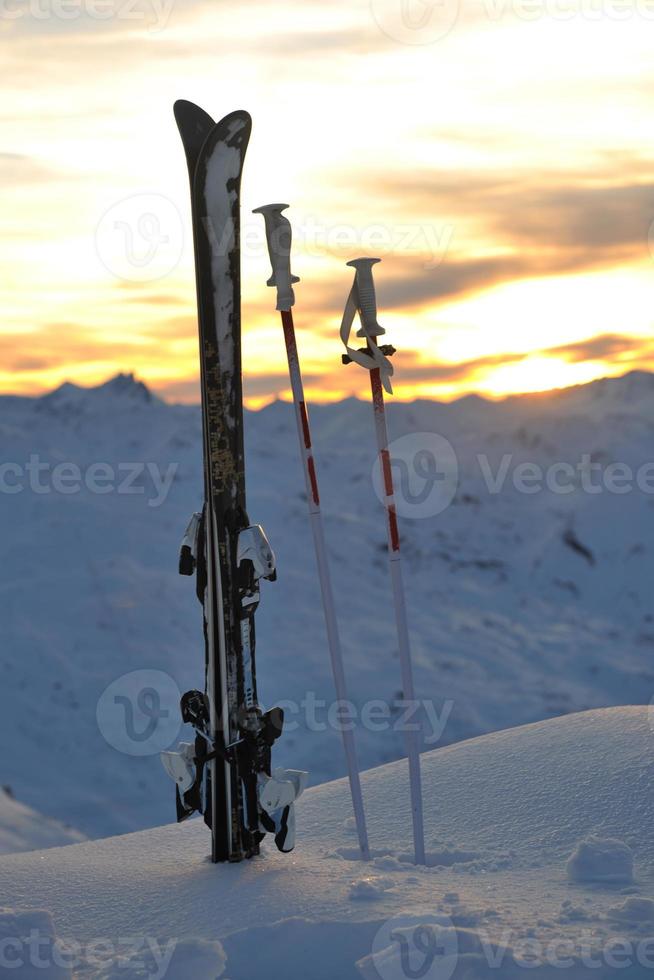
(522, 606)
(504, 813)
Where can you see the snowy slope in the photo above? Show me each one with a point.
(522, 606)
(23, 829)
(505, 813)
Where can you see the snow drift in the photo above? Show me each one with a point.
(504, 815)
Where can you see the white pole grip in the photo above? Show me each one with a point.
(367, 300)
(279, 236)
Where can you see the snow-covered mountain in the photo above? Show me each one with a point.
(23, 829)
(522, 604)
(540, 846)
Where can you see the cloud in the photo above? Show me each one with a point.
(536, 230)
(217, 25)
(536, 209)
(409, 367)
(598, 219)
(254, 386)
(601, 348)
(49, 19)
(59, 345)
(17, 169)
(450, 235)
(412, 284)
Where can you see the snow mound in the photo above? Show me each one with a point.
(601, 860)
(369, 889)
(515, 804)
(633, 910)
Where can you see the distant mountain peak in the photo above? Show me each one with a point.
(72, 400)
(122, 384)
(127, 384)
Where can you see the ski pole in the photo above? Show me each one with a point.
(376, 359)
(278, 236)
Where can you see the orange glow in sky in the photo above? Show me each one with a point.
(495, 155)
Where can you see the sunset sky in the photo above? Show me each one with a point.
(498, 156)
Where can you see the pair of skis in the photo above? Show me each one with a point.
(226, 773)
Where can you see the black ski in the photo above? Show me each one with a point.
(226, 774)
(229, 752)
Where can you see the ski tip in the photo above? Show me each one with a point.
(186, 112)
(235, 128)
(240, 116)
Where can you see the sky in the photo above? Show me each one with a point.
(497, 155)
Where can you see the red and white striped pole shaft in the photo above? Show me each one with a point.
(278, 233)
(399, 603)
(364, 301)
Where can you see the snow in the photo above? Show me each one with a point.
(507, 809)
(22, 958)
(175, 960)
(23, 829)
(510, 621)
(633, 910)
(601, 860)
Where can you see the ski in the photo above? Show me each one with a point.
(226, 774)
